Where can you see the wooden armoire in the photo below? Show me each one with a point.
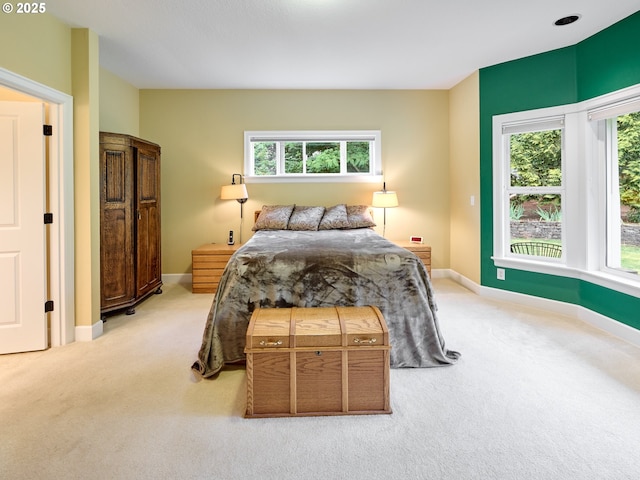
(130, 267)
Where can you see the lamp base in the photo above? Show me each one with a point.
(384, 222)
(241, 202)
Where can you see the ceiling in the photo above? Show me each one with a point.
(325, 44)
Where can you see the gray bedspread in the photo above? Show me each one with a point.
(284, 268)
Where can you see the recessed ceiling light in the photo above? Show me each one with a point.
(566, 20)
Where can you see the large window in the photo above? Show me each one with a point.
(534, 188)
(312, 156)
(621, 135)
(567, 190)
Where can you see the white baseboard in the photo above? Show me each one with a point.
(177, 278)
(440, 273)
(609, 325)
(455, 276)
(89, 333)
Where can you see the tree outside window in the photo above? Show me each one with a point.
(323, 154)
(623, 199)
(535, 192)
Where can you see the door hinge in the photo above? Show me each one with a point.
(47, 130)
(48, 218)
(48, 306)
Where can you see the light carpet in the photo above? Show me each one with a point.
(534, 396)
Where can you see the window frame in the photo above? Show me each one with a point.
(504, 126)
(536, 125)
(585, 210)
(605, 126)
(280, 137)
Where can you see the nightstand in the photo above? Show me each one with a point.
(422, 251)
(208, 264)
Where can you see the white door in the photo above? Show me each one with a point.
(23, 323)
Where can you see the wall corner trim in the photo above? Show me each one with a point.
(88, 334)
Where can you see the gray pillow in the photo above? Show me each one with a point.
(305, 218)
(359, 216)
(334, 217)
(273, 217)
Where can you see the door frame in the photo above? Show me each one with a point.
(61, 198)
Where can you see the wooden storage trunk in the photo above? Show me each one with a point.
(317, 361)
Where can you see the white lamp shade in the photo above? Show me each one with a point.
(235, 191)
(384, 199)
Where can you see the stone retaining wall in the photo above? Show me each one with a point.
(536, 229)
(631, 234)
(551, 231)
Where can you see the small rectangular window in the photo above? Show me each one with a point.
(312, 156)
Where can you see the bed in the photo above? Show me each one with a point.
(317, 257)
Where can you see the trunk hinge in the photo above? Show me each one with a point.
(48, 306)
(47, 130)
(48, 218)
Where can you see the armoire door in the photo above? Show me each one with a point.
(116, 217)
(148, 219)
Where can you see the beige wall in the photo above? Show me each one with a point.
(201, 135)
(41, 48)
(37, 47)
(119, 105)
(85, 74)
(464, 178)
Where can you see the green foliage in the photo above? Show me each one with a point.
(629, 159)
(634, 215)
(323, 157)
(293, 161)
(357, 157)
(536, 159)
(516, 210)
(630, 258)
(265, 158)
(554, 215)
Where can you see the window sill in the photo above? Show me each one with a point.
(618, 283)
(320, 178)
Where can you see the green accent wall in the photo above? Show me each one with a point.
(609, 60)
(603, 63)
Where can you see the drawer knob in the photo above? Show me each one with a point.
(367, 341)
(270, 344)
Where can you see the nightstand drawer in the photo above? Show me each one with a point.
(208, 264)
(210, 261)
(422, 251)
